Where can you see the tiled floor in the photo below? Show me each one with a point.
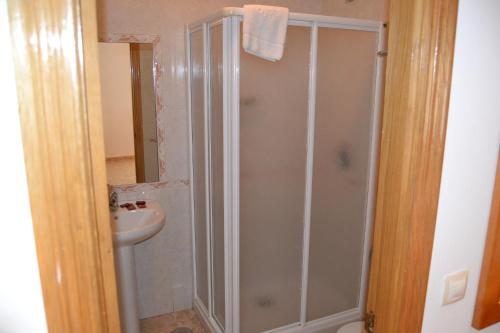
(170, 321)
(121, 170)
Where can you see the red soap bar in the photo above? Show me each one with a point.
(125, 205)
(140, 202)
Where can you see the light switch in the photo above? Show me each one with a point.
(454, 287)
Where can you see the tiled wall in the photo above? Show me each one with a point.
(164, 263)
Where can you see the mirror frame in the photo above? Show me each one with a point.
(157, 73)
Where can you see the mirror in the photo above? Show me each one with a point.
(129, 112)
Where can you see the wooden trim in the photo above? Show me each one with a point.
(419, 65)
(135, 71)
(487, 310)
(55, 55)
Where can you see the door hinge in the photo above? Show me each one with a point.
(370, 322)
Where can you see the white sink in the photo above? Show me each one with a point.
(129, 228)
(134, 226)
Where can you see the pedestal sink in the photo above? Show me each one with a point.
(129, 228)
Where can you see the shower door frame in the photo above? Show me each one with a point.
(207, 313)
(231, 19)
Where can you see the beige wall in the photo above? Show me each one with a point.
(164, 262)
(362, 9)
(116, 89)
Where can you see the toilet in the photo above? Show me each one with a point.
(355, 327)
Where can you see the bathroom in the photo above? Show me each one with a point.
(164, 263)
(257, 207)
(262, 166)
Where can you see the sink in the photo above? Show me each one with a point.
(134, 226)
(129, 228)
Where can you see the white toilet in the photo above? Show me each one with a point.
(355, 327)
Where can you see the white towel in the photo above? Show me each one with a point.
(264, 31)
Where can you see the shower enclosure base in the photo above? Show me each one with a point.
(330, 323)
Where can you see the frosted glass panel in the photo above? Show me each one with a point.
(199, 179)
(273, 126)
(217, 169)
(346, 64)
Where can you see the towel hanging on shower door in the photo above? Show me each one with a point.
(264, 31)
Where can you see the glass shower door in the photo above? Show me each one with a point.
(342, 145)
(273, 132)
(199, 163)
(217, 169)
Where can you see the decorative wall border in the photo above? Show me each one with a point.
(146, 187)
(160, 130)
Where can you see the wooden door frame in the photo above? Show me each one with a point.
(54, 46)
(486, 312)
(417, 89)
(59, 99)
(135, 74)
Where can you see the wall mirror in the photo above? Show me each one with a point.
(129, 112)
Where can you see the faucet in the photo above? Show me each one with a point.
(113, 200)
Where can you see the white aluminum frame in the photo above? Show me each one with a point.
(191, 167)
(208, 163)
(231, 19)
(309, 169)
(205, 313)
(227, 141)
(232, 110)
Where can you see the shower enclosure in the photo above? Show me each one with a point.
(283, 167)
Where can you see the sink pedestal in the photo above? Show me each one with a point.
(131, 227)
(127, 288)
